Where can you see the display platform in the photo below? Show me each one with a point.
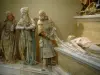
(76, 62)
(19, 69)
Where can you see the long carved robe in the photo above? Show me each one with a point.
(46, 46)
(27, 44)
(8, 40)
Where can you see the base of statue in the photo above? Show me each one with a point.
(19, 69)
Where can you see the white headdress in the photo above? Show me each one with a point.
(25, 19)
(41, 11)
(42, 15)
(24, 10)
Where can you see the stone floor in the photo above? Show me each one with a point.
(18, 69)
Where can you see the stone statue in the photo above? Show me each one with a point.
(47, 38)
(85, 3)
(97, 4)
(27, 43)
(89, 7)
(8, 37)
(83, 43)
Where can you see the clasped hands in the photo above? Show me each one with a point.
(26, 28)
(45, 36)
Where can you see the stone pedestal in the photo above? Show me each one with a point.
(17, 69)
(75, 67)
(77, 63)
(89, 26)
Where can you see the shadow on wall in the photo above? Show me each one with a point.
(80, 29)
(71, 28)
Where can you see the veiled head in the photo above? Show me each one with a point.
(42, 13)
(24, 10)
(10, 15)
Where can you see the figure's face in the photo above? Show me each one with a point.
(23, 12)
(10, 17)
(42, 15)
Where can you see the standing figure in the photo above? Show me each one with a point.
(8, 37)
(47, 38)
(27, 46)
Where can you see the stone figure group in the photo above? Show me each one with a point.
(19, 41)
(90, 7)
(31, 41)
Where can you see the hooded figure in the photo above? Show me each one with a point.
(47, 38)
(27, 45)
(8, 37)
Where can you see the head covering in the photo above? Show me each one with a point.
(8, 12)
(25, 20)
(24, 10)
(42, 15)
(42, 12)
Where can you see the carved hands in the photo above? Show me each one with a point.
(25, 28)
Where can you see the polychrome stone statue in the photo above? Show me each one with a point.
(47, 38)
(8, 37)
(27, 42)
